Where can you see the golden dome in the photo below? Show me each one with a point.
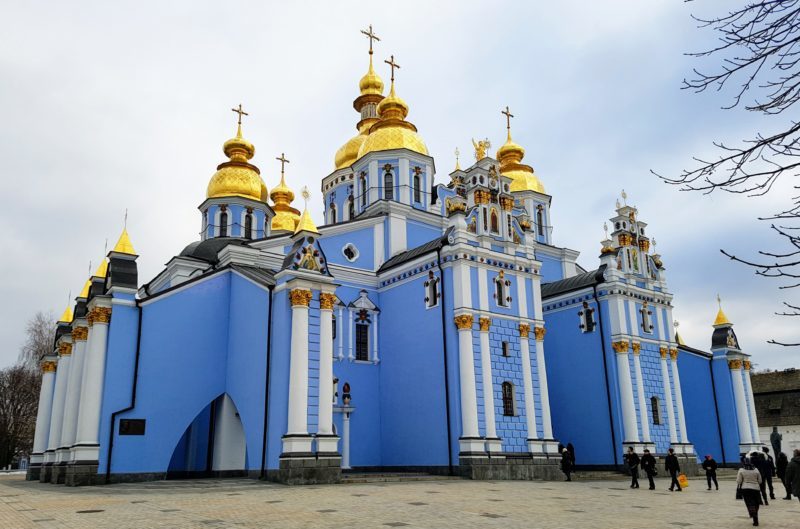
(392, 131)
(66, 316)
(286, 217)
(264, 193)
(348, 153)
(237, 177)
(371, 83)
(522, 176)
(124, 244)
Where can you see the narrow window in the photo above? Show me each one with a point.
(431, 291)
(363, 184)
(362, 342)
(333, 322)
(540, 219)
(351, 208)
(495, 222)
(485, 220)
(646, 313)
(333, 213)
(587, 318)
(417, 190)
(388, 186)
(248, 226)
(223, 224)
(508, 218)
(508, 399)
(505, 348)
(500, 292)
(266, 225)
(205, 223)
(655, 407)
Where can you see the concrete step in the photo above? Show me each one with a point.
(386, 477)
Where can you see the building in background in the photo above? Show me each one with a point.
(777, 396)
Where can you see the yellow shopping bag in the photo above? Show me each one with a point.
(683, 481)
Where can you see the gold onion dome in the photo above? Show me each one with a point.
(124, 244)
(66, 316)
(237, 177)
(392, 131)
(522, 176)
(348, 152)
(371, 83)
(286, 217)
(371, 91)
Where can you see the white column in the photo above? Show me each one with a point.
(631, 430)
(527, 386)
(326, 441)
(544, 395)
(298, 376)
(375, 358)
(748, 390)
(340, 325)
(59, 396)
(350, 331)
(492, 441)
(637, 366)
(87, 440)
(44, 411)
(73, 394)
(346, 440)
(742, 418)
(404, 180)
(470, 436)
(673, 433)
(676, 381)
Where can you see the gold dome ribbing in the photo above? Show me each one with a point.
(286, 217)
(392, 131)
(522, 176)
(237, 177)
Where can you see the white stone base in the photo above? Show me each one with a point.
(49, 457)
(683, 448)
(37, 459)
(62, 455)
(548, 447)
(639, 447)
(471, 446)
(494, 445)
(293, 444)
(85, 453)
(746, 448)
(327, 444)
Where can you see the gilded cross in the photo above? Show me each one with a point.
(306, 194)
(126, 219)
(240, 112)
(507, 113)
(371, 36)
(719, 302)
(283, 161)
(393, 65)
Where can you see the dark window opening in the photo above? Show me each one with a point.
(248, 226)
(362, 342)
(417, 190)
(223, 224)
(388, 186)
(508, 399)
(495, 222)
(505, 348)
(655, 407)
(351, 208)
(333, 213)
(363, 184)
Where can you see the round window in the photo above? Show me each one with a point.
(350, 252)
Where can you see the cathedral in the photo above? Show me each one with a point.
(429, 325)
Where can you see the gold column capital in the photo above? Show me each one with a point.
(49, 367)
(485, 323)
(620, 346)
(80, 334)
(538, 333)
(636, 347)
(735, 364)
(746, 364)
(64, 349)
(463, 321)
(663, 351)
(300, 297)
(327, 301)
(524, 330)
(99, 315)
(673, 353)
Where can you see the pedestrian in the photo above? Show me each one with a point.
(566, 464)
(748, 488)
(758, 461)
(793, 473)
(632, 460)
(780, 469)
(672, 466)
(571, 453)
(775, 439)
(769, 468)
(710, 466)
(649, 466)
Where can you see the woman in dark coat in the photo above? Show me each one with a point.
(566, 464)
(780, 469)
(748, 484)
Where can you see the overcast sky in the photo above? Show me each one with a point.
(112, 105)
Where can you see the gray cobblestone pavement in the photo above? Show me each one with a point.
(241, 503)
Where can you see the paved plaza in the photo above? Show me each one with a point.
(242, 503)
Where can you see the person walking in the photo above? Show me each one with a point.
(793, 473)
(780, 470)
(566, 464)
(571, 450)
(672, 466)
(649, 466)
(748, 488)
(758, 461)
(632, 460)
(769, 468)
(710, 466)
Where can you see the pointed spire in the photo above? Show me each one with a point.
(306, 222)
(85, 290)
(102, 269)
(124, 244)
(458, 166)
(722, 319)
(66, 316)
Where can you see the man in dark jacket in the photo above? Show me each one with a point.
(769, 466)
(649, 466)
(632, 460)
(780, 470)
(672, 466)
(793, 473)
(710, 466)
(566, 464)
(759, 461)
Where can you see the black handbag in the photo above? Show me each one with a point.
(739, 492)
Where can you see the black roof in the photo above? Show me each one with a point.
(695, 351)
(410, 255)
(576, 282)
(207, 250)
(261, 276)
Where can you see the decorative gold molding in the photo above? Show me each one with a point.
(524, 330)
(644, 245)
(625, 239)
(735, 364)
(673, 353)
(80, 334)
(746, 364)
(99, 315)
(525, 224)
(620, 346)
(663, 352)
(327, 301)
(49, 367)
(482, 197)
(539, 333)
(64, 349)
(463, 321)
(485, 323)
(636, 347)
(507, 203)
(455, 206)
(299, 297)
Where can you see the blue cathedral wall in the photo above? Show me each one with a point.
(362, 239)
(650, 360)
(698, 405)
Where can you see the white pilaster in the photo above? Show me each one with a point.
(373, 178)
(527, 386)
(326, 441)
(522, 296)
(461, 282)
(492, 441)
(73, 394)
(470, 441)
(375, 358)
(637, 366)
(673, 433)
(340, 324)
(631, 431)
(544, 395)
(346, 440)
(57, 416)
(403, 180)
(483, 289)
(397, 234)
(378, 245)
(44, 411)
(676, 381)
(350, 331)
(297, 438)
(87, 441)
(740, 399)
(748, 390)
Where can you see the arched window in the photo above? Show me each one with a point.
(332, 209)
(508, 221)
(647, 325)
(485, 220)
(431, 291)
(495, 222)
(205, 224)
(223, 224)
(351, 208)
(362, 183)
(417, 190)
(501, 286)
(587, 318)
(655, 408)
(248, 226)
(540, 219)
(509, 403)
(388, 185)
(362, 341)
